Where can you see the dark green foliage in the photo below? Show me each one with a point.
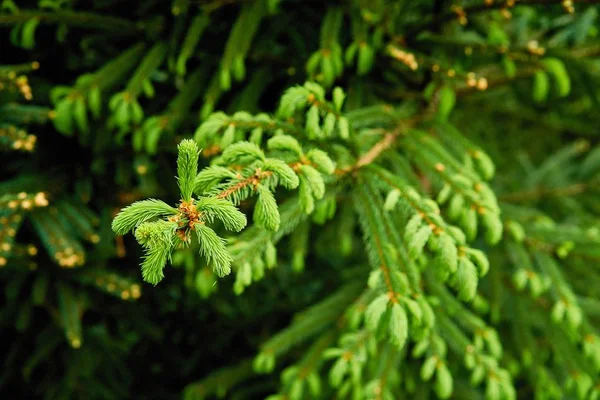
(359, 200)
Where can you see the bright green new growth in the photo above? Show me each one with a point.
(265, 213)
(132, 216)
(222, 210)
(213, 248)
(187, 167)
(241, 172)
(157, 238)
(160, 237)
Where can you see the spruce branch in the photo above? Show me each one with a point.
(112, 25)
(174, 226)
(375, 242)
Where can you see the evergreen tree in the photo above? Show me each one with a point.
(378, 199)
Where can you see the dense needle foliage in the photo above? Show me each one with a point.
(250, 199)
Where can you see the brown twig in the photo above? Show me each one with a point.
(251, 180)
(312, 100)
(383, 267)
(371, 155)
(378, 148)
